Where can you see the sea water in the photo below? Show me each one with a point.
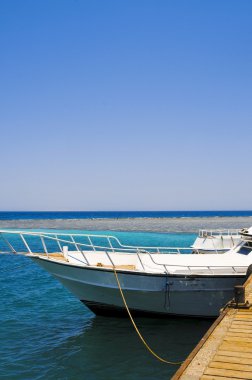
(46, 333)
(6, 215)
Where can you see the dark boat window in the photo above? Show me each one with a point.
(246, 248)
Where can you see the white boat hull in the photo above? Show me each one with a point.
(215, 244)
(148, 293)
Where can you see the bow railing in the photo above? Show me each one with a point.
(47, 242)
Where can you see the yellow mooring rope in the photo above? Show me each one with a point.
(136, 328)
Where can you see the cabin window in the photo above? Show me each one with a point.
(246, 248)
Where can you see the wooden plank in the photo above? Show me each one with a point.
(231, 374)
(244, 320)
(242, 326)
(244, 311)
(244, 317)
(213, 377)
(242, 340)
(241, 330)
(237, 345)
(227, 346)
(239, 321)
(236, 322)
(232, 359)
(233, 366)
(130, 267)
(239, 333)
(236, 354)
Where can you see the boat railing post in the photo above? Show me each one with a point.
(140, 260)
(25, 243)
(74, 242)
(8, 243)
(79, 250)
(166, 270)
(154, 262)
(91, 243)
(44, 245)
(110, 244)
(58, 242)
(210, 269)
(84, 255)
(111, 261)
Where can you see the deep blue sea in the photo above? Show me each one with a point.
(46, 333)
(118, 214)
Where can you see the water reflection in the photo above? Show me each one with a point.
(109, 348)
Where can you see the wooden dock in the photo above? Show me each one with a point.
(225, 351)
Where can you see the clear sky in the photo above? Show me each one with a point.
(125, 105)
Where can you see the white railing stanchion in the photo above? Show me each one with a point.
(138, 255)
(58, 242)
(111, 261)
(25, 243)
(91, 243)
(44, 245)
(111, 246)
(80, 250)
(74, 242)
(8, 243)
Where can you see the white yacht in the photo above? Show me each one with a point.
(216, 241)
(154, 280)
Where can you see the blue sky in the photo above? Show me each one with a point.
(125, 105)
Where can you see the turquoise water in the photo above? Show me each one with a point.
(45, 333)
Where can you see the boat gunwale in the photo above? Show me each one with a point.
(138, 273)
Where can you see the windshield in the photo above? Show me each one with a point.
(245, 248)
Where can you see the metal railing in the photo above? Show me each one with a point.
(196, 269)
(113, 246)
(217, 232)
(113, 243)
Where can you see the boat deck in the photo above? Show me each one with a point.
(60, 257)
(177, 264)
(225, 352)
(54, 256)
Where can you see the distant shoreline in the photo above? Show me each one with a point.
(141, 224)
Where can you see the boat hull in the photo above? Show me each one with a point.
(145, 293)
